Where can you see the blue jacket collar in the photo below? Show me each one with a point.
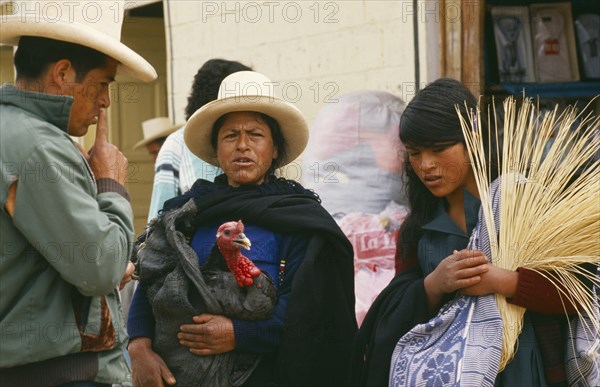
(442, 222)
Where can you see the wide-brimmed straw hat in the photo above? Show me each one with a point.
(156, 128)
(93, 24)
(253, 92)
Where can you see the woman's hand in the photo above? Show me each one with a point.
(495, 280)
(148, 369)
(209, 335)
(127, 276)
(457, 271)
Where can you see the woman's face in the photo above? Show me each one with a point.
(245, 148)
(444, 168)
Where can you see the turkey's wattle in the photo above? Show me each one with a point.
(241, 288)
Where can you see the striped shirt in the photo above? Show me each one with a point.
(175, 171)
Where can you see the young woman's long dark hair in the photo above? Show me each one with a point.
(429, 119)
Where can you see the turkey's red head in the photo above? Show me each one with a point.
(230, 238)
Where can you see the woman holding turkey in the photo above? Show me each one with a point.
(305, 339)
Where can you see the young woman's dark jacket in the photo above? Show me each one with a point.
(403, 304)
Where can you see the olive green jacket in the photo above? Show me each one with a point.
(64, 251)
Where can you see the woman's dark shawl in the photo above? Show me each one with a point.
(320, 321)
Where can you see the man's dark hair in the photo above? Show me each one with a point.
(35, 54)
(207, 81)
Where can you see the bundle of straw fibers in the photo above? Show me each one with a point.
(549, 202)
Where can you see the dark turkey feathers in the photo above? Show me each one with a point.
(178, 289)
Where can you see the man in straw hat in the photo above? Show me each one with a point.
(155, 132)
(66, 222)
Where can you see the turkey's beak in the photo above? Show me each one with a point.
(242, 241)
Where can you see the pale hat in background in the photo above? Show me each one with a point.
(253, 92)
(93, 24)
(156, 128)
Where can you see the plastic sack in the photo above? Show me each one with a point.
(354, 162)
(354, 156)
(373, 237)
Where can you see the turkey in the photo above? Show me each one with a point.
(242, 290)
(178, 288)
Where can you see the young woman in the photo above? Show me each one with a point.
(432, 263)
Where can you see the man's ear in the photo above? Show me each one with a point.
(63, 75)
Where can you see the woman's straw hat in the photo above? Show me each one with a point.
(93, 24)
(156, 128)
(246, 91)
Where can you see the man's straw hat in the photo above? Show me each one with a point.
(253, 92)
(156, 128)
(94, 24)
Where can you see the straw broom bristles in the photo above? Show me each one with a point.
(549, 216)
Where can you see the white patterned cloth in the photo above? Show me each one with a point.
(583, 350)
(462, 345)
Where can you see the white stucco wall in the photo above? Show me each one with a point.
(317, 50)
